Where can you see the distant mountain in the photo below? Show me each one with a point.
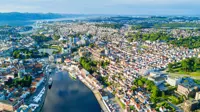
(32, 16)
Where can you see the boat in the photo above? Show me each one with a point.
(50, 82)
(72, 75)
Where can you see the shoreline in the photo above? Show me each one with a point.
(96, 94)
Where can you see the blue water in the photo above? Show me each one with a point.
(67, 95)
(16, 23)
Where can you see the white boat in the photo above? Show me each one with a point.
(50, 82)
(72, 75)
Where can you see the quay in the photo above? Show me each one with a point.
(96, 93)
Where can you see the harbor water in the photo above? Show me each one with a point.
(68, 95)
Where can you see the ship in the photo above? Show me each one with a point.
(50, 82)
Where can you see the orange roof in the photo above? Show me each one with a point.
(33, 89)
(38, 79)
(138, 106)
(38, 65)
(33, 83)
(67, 60)
(127, 103)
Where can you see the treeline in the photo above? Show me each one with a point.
(177, 25)
(150, 86)
(91, 65)
(142, 25)
(24, 82)
(187, 65)
(164, 25)
(26, 54)
(149, 36)
(112, 25)
(88, 64)
(190, 42)
(104, 81)
(41, 38)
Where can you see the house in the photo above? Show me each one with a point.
(51, 58)
(188, 87)
(190, 105)
(84, 72)
(24, 108)
(186, 90)
(83, 52)
(37, 82)
(157, 79)
(11, 104)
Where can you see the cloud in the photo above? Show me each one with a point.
(151, 2)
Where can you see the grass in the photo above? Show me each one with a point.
(165, 104)
(195, 75)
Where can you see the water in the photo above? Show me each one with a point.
(67, 95)
(16, 23)
(31, 22)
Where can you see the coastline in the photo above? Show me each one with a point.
(96, 94)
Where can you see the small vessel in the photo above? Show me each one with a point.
(72, 75)
(50, 82)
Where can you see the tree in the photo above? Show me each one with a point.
(56, 37)
(170, 67)
(185, 65)
(91, 45)
(140, 83)
(15, 74)
(154, 91)
(149, 84)
(133, 88)
(163, 94)
(132, 108)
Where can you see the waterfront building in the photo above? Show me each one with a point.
(11, 104)
(23, 108)
(197, 97)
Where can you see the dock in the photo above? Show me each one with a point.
(96, 93)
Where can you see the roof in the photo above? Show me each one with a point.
(10, 102)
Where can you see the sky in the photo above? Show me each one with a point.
(119, 7)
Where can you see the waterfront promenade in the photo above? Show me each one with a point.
(97, 95)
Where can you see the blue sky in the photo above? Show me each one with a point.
(121, 7)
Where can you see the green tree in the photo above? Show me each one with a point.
(170, 67)
(140, 83)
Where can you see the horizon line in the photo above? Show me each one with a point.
(100, 14)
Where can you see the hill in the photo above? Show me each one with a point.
(32, 16)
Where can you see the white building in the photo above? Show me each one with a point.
(197, 97)
(51, 58)
(173, 81)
